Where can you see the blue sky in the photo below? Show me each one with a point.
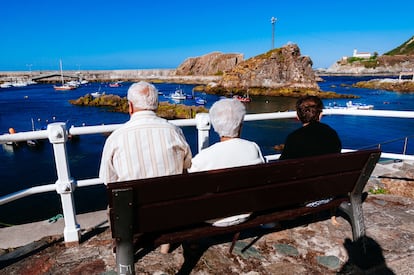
(132, 34)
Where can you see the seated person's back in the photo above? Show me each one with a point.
(227, 117)
(314, 137)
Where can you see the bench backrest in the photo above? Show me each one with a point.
(164, 203)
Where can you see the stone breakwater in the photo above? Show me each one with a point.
(163, 75)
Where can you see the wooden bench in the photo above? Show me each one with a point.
(148, 212)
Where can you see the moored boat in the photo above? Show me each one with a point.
(178, 94)
(243, 98)
(64, 86)
(200, 101)
(351, 105)
(358, 106)
(115, 84)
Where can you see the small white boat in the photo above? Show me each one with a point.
(19, 84)
(242, 98)
(358, 106)
(200, 101)
(6, 85)
(115, 84)
(64, 86)
(351, 106)
(246, 98)
(178, 95)
(97, 93)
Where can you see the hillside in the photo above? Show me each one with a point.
(391, 63)
(407, 48)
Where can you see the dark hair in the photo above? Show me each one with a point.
(309, 108)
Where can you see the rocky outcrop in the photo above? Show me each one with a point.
(279, 72)
(278, 68)
(210, 64)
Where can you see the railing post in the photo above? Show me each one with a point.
(65, 185)
(203, 127)
(405, 145)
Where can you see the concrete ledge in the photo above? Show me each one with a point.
(20, 235)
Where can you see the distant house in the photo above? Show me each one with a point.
(361, 55)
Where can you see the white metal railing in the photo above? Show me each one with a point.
(57, 133)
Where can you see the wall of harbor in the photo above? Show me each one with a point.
(164, 75)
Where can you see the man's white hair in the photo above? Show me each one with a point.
(143, 96)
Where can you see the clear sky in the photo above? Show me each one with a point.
(139, 34)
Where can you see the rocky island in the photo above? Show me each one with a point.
(388, 84)
(278, 72)
(116, 103)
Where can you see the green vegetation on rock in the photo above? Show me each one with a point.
(407, 48)
(396, 86)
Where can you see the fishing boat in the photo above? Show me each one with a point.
(97, 93)
(359, 106)
(200, 101)
(6, 85)
(350, 105)
(115, 84)
(178, 95)
(64, 86)
(246, 98)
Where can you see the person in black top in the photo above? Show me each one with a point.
(314, 137)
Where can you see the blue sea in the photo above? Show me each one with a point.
(26, 167)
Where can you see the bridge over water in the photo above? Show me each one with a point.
(54, 75)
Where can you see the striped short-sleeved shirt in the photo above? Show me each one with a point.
(146, 146)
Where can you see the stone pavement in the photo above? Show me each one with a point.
(315, 248)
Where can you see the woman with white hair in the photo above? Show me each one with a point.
(227, 117)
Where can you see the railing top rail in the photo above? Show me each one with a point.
(99, 129)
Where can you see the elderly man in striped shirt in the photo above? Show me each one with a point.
(146, 146)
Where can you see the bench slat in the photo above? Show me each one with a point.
(206, 230)
(215, 205)
(180, 186)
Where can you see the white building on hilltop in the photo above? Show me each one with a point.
(361, 55)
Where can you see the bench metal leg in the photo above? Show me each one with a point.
(356, 216)
(233, 243)
(354, 208)
(123, 230)
(125, 257)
